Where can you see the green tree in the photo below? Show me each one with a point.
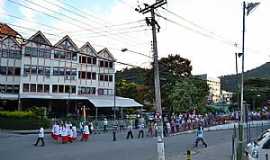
(171, 69)
(188, 94)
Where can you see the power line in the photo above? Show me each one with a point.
(55, 17)
(113, 31)
(57, 29)
(217, 36)
(71, 11)
(104, 22)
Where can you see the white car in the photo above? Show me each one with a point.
(258, 149)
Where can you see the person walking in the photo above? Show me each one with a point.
(85, 135)
(40, 137)
(199, 137)
(141, 130)
(129, 134)
(105, 125)
(74, 131)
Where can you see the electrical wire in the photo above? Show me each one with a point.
(57, 18)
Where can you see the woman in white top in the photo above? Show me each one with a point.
(86, 132)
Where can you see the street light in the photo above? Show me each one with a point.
(126, 50)
(247, 9)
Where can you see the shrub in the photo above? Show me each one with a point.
(17, 114)
(22, 120)
(23, 124)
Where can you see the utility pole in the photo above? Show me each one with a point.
(246, 8)
(152, 22)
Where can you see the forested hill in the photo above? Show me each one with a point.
(229, 82)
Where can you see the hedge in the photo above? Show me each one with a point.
(17, 114)
(22, 120)
(23, 123)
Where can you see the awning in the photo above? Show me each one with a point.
(108, 101)
(97, 101)
(9, 96)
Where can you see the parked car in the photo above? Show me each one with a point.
(258, 149)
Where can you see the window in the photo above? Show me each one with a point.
(83, 59)
(33, 69)
(47, 53)
(94, 60)
(106, 78)
(25, 87)
(10, 71)
(88, 75)
(59, 54)
(94, 76)
(101, 64)
(16, 89)
(39, 88)
(3, 70)
(2, 88)
(46, 88)
(17, 71)
(106, 64)
(74, 72)
(9, 89)
(74, 56)
(87, 90)
(68, 71)
(40, 70)
(83, 75)
(47, 71)
(68, 55)
(14, 54)
(54, 89)
(111, 64)
(100, 91)
(56, 71)
(61, 71)
(73, 89)
(89, 60)
(33, 87)
(31, 51)
(80, 59)
(110, 78)
(110, 92)
(5, 53)
(67, 89)
(27, 51)
(101, 77)
(61, 89)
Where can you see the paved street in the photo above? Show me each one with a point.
(101, 147)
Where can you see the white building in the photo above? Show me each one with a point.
(214, 87)
(36, 70)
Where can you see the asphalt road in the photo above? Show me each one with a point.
(101, 147)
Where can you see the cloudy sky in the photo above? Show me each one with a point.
(202, 31)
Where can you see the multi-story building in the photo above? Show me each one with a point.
(34, 71)
(214, 87)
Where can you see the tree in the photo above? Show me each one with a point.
(256, 92)
(171, 69)
(188, 94)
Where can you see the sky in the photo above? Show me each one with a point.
(202, 31)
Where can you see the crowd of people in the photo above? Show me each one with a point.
(68, 133)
